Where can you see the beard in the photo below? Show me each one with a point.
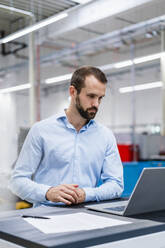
(87, 114)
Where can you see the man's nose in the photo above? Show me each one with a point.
(95, 103)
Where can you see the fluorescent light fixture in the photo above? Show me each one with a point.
(123, 64)
(82, 1)
(33, 28)
(107, 67)
(137, 87)
(147, 58)
(139, 60)
(58, 79)
(16, 88)
(104, 67)
(119, 65)
(12, 9)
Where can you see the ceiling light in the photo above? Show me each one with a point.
(16, 88)
(137, 87)
(12, 9)
(123, 64)
(82, 1)
(119, 65)
(104, 68)
(147, 58)
(58, 79)
(126, 63)
(107, 67)
(33, 28)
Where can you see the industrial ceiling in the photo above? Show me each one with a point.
(86, 33)
(11, 21)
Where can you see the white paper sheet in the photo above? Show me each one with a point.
(73, 222)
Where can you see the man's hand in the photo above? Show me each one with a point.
(66, 193)
(81, 195)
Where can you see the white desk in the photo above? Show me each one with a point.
(154, 240)
(151, 240)
(141, 233)
(6, 244)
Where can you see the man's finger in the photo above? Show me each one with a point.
(68, 197)
(72, 193)
(61, 199)
(73, 186)
(73, 189)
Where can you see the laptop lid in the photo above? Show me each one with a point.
(147, 196)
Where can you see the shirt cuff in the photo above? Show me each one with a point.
(41, 192)
(90, 194)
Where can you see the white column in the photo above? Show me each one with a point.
(162, 63)
(38, 85)
(133, 100)
(32, 97)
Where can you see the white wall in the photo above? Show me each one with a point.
(7, 131)
(54, 102)
(8, 148)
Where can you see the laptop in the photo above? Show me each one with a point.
(148, 196)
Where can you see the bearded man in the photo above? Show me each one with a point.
(65, 156)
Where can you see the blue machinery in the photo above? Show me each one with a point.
(132, 171)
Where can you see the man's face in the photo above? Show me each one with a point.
(88, 101)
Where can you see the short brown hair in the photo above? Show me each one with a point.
(79, 76)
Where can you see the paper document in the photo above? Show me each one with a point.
(73, 222)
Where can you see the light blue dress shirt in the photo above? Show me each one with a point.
(55, 153)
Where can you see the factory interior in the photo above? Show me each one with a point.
(44, 42)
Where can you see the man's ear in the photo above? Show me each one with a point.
(72, 91)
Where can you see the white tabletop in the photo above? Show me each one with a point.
(150, 240)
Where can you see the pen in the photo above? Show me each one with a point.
(36, 217)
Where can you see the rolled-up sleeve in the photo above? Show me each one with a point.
(29, 159)
(111, 176)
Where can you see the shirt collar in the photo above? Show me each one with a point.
(62, 116)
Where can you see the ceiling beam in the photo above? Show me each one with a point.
(78, 17)
(86, 14)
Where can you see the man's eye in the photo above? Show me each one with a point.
(91, 96)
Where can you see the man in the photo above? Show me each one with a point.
(64, 157)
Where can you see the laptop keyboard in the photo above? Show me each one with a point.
(121, 208)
